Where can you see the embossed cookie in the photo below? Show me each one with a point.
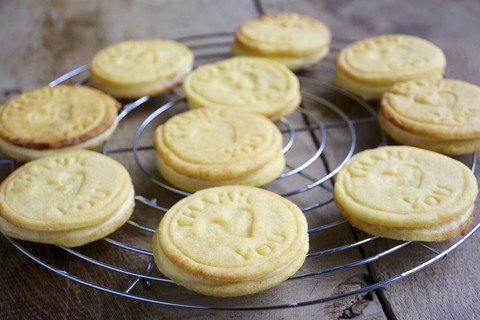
(46, 120)
(204, 148)
(407, 193)
(137, 68)
(294, 40)
(231, 241)
(70, 198)
(441, 115)
(371, 66)
(250, 84)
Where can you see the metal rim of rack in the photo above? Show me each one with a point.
(219, 42)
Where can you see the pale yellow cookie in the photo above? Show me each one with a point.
(136, 68)
(46, 120)
(203, 148)
(70, 198)
(441, 115)
(292, 39)
(414, 193)
(250, 84)
(450, 147)
(231, 241)
(371, 66)
(439, 232)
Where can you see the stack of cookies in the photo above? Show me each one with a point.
(418, 106)
(442, 115)
(295, 40)
(407, 193)
(137, 68)
(370, 67)
(203, 148)
(255, 85)
(70, 198)
(230, 238)
(47, 120)
(231, 241)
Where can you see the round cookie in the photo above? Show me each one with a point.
(137, 68)
(46, 120)
(370, 67)
(203, 148)
(406, 193)
(70, 198)
(294, 40)
(231, 241)
(442, 115)
(250, 84)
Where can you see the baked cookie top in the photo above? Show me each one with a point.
(402, 186)
(217, 144)
(441, 108)
(141, 62)
(251, 84)
(232, 233)
(68, 190)
(284, 34)
(391, 58)
(52, 118)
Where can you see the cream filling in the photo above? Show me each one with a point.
(364, 90)
(293, 63)
(439, 232)
(260, 177)
(454, 224)
(73, 237)
(137, 91)
(231, 288)
(21, 153)
(451, 147)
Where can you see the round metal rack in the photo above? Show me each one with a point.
(324, 108)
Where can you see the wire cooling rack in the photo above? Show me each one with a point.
(333, 120)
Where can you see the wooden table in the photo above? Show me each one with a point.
(41, 40)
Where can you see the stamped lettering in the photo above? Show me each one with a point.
(235, 221)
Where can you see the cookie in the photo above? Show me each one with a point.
(137, 68)
(442, 115)
(370, 67)
(204, 148)
(231, 241)
(250, 84)
(406, 193)
(70, 198)
(46, 120)
(295, 40)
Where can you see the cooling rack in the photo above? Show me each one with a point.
(319, 139)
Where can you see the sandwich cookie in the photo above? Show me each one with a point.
(70, 198)
(407, 193)
(46, 120)
(250, 84)
(370, 67)
(441, 115)
(204, 148)
(295, 40)
(231, 241)
(137, 68)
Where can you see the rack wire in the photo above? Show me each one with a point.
(325, 108)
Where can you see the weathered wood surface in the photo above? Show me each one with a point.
(44, 39)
